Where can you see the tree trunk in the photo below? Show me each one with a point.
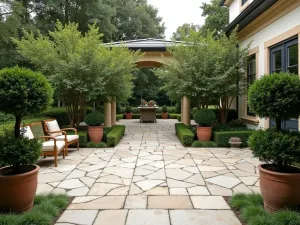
(17, 127)
(278, 124)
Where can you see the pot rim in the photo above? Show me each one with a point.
(201, 127)
(37, 167)
(277, 173)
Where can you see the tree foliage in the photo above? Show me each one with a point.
(207, 70)
(79, 66)
(276, 96)
(217, 17)
(23, 92)
(184, 31)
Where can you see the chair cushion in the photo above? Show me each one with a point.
(69, 137)
(27, 132)
(48, 146)
(53, 126)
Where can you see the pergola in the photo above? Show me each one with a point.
(155, 54)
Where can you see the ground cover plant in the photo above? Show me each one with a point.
(45, 211)
(251, 211)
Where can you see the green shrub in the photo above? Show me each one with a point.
(119, 108)
(83, 138)
(276, 97)
(221, 138)
(237, 124)
(178, 107)
(194, 111)
(205, 117)
(175, 116)
(128, 109)
(240, 200)
(18, 151)
(281, 148)
(184, 134)
(59, 113)
(94, 119)
(115, 135)
(164, 109)
(6, 118)
(23, 92)
(119, 117)
(96, 145)
(204, 144)
(106, 130)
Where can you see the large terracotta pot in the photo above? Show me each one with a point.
(204, 133)
(164, 115)
(279, 190)
(95, 133)
(17, 191)
(128, 116)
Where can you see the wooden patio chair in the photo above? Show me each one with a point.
(52, 129)
(50, 147)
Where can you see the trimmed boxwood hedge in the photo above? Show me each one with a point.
(83, 138)
(221, 138)
(175, 116)
(115, 135)
(184, 134)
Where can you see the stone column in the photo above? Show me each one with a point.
(182, 102)
(113, 111)
(107, 114)
(186, 118)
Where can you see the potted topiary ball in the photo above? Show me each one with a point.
(205, 118)
(94, 120)
(277, 96)
(22, 92)
(164, 114)
(128, 112)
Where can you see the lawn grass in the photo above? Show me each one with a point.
(45, 211)
(251, 210)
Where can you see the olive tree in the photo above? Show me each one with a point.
(208, 70)
(78, 65)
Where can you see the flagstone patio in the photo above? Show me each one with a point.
(150, 179)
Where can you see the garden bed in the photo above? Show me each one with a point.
(249, 209)
(46, 211)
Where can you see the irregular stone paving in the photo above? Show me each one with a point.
(149, 178)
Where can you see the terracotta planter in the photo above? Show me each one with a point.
(164, 115)
(17, 191)
(279, 190)
(128, 116)
(204, 133)
(95, 134)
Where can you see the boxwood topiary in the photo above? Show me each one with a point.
(205, 117)
(164, 109)
(281, 148)
(276, 96)
(94, 119)
(128, 109)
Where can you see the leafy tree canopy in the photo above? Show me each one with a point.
(79, 66)
(184, 31)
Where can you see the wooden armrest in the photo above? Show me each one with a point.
(60, 131)
(75, 130)
(48, 137)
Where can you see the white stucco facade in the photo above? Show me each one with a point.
(234, 10)
(258, 40)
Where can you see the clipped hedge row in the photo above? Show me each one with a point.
(83, 138)
(115, 135)
(175, 116)
(184, 134)
(221, 138)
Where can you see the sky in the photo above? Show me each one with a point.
(177, 12)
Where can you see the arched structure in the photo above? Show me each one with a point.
(155, 54)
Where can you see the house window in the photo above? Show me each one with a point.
(284, 58)
(251, 77)
(244, 2)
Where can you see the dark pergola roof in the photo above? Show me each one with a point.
(254, 10)
(146, 45)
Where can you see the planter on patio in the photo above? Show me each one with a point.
(94, 121)
(128, 113)
(205, 118)
(164, 114)
(235, 142)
